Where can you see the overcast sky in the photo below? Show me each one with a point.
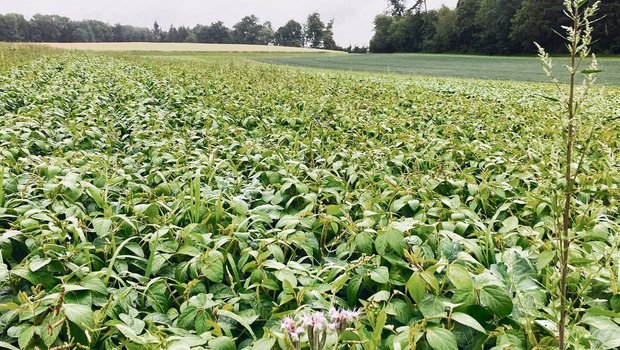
(353, 18)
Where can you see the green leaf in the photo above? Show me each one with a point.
(25, 336)
(243, 320)
(264, 344)
(496, 300)
(460, 277)
(591, 71)
(5, 345)
(150, 211)
(353, 288)
(37, 264)
(550, 98)
(510, 341)
(380, 296)
(430, 279)
(202, 321)
(187, 317)
(81, 315)
(288, 221)
(608, 337)
(432, 306)
(363, 242)
(392, 239)
(614, 301)
(94, 284)
(102, 226)
(95, 193)
(544, 258)
(401, 311)
(4, 270)
(510, 224)
(379, 324)
(416, 287)
(50, 328)
(380, 275)
(158, 296)
(129, 333)
(222, 343)
(441, 339)
(213, 267)
(600, 232)
(340, 282)
(468, 321)
(187, 341)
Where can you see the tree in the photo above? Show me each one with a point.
(403, 34)
(328, 37)
(183, 34)
(397, 8)
(291, 34)
(494, 21)
(265, 34)
(48, 28)
(216, 33)
(247, 30)
(466, 27)
(315, 29)
(92, 31)
(173, 35)
(608, 28)
(382, 41)
(317, 34)
(157, 33)
(444, 39)
(429, 21)
(201, 34)
(80, 32)
(14, 27)
(118, 34)
(536, 20)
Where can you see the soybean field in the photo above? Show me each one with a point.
(224, 203)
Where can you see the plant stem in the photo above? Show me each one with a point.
(564, 235)
(2, 186)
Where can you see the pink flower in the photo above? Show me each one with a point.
(340, 318)
(316, 321)
(334, 314)
(288, 325)
(353, 315)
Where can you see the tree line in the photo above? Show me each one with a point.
(486, 27)
(314, 33)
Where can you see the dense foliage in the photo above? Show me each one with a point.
(162, 204)
(487, 27)
(249, 30)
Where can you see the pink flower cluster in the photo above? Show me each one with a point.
(316, 326)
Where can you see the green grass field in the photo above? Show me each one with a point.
(458, 66)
